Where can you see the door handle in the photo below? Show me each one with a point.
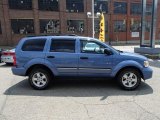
(50, 57)
(84, 58)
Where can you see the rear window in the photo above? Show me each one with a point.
(63, 46)
(34, 45)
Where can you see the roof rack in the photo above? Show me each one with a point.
(52, 35)
(66, 35)
(72, 35)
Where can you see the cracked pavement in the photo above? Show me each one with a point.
(78, 99)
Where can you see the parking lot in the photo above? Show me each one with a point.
(78, 99)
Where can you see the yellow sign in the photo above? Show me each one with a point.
(102, 28)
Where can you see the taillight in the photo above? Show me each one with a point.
(4, 53)
(13, 54)
(14, 60)
(8, 53)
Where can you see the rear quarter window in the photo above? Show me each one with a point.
(34, 45)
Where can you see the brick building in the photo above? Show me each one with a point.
(19, 18)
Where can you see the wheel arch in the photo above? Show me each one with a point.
(39, 66)
(130, 67)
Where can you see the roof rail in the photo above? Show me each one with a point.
(53, 35)
(72, 35)
(66, 35)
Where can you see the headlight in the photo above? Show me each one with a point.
(146, 64)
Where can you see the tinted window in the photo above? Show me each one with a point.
(63, 46)
(91, 47)
(20, 4)
(34, 45)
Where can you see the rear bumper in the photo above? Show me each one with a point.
(19, 71)
(147, 73)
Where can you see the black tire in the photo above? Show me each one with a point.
(133, 77)
(43, 73)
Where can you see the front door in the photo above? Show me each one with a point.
(92, 60)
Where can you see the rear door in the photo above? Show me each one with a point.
(62, 55)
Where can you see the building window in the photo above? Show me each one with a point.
(0, 28)
(49, 26)
(75, 26)
(101, 6)
(136, 8)
(135, 25)
(48, 5)
(120, 26)
(97, 26)
(75, 5)
(120, 7)
(20, 4)
(22, 26)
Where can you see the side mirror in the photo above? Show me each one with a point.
(108, 51)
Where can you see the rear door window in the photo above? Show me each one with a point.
(34, 45)
(62, 46)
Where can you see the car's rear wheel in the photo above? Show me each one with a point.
(129, 79)
(39, 78)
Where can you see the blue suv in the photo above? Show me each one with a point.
(46, 57)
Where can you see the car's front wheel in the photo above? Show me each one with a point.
(129, 79)
(39, 78)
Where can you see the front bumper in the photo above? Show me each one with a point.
(147, 73)
(19, 71)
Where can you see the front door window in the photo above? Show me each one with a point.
(92, 47)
